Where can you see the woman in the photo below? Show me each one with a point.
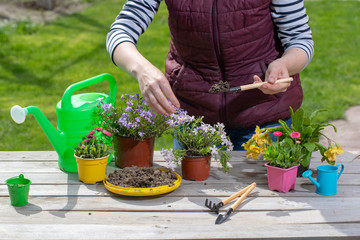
(238, 42)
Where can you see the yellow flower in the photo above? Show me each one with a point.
(253, 152)
(246, 145)
(339, 150)
(258, 131)
(332, 152)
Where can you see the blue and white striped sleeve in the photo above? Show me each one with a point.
(292, 22)
(132, 21)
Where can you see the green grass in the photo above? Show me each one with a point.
(37, 64)
(332, 80)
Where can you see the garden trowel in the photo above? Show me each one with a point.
(222, 217)
(224, 86)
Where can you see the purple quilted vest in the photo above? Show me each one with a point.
(225, 40)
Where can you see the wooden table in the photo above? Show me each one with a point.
(61, 207)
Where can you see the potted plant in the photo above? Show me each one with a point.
(199, 142)
(310, 133)
(92, 155)
(134, 127)
(284, 158)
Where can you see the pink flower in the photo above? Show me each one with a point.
(83, 146)
(277, 133)
(295, 134)
(98, 129)
(90, 134)
(106, 133)
(86, 140)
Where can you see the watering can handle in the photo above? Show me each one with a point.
(66, 100)
(341, 170)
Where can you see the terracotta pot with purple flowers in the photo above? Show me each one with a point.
(134, 127)
(199, 142)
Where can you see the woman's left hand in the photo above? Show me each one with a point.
(276, 70)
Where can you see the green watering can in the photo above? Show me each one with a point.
(74, 113)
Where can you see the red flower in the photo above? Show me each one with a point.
(90, 134)
(98, 129)
(106, 133)
(295, 134)
(277, 133)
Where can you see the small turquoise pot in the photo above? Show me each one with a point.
(327, 177)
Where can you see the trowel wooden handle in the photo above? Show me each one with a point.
(237, 203)
(235, 195)
(257, 85)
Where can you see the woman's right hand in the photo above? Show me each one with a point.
(154, 87)
(156, 90)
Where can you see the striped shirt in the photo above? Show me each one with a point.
(289, 17)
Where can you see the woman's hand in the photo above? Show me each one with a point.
(291, 63)
(276, 70)
(153, 85)
(156, 90)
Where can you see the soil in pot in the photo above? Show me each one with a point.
(144, 177)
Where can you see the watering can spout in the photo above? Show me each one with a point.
(57, 140)
(308, 175)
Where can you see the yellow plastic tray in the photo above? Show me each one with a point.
(141, 192)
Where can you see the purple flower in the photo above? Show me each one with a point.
(141, 134)
(130, 103)
(106, 107)
(214, 150)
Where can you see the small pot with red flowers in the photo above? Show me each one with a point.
(92, 155)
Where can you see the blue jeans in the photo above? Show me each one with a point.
(240, 136)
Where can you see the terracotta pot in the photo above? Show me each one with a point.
(130, 152)
(90, 170)
(196, 168)
(282, 180)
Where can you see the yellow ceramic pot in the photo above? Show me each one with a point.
(90, 170)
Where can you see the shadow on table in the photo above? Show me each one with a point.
(73, 186)
(29, 209)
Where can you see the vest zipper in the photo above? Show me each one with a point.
(219, 59)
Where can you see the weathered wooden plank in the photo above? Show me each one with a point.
(237, 168)
(216, 177)
(23, 156)
(23, 216)
(187, 229)
(188, 189)
(169, 203)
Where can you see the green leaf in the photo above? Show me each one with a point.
(285, 127)
(314, 114)
(309, 146)
(306, 160)
(298, 119)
